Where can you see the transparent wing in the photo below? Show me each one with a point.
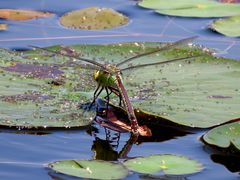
(165, 48)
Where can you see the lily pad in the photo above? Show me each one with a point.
(202, 93)
(166, 163)
(228, 27)
(93, 18)
(192, 8)
(224, 136)
(28, 99)
(3, 26)
(93, 169)
(21, 15)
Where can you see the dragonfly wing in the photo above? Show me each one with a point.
(179, 43)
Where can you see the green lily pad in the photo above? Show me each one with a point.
(169, 164)
(192, 8)
(228, 27)
(94, 169)
(201, 93)
(224, 136)
(93, 18)
(30, 99)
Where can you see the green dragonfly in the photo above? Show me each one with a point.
(109, 76)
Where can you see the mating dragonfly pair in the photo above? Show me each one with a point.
(109, 76)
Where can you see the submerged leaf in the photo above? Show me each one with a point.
(3, 26)
(93, 169)
(19, 14)
(93, 18)
(224, 136)
(169, 164)
(228, 27)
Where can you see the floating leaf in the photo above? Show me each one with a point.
(224, 136)
(29, 99)
(19, 14)
(93, 169)
(169, 164)
(3, 26)
(228, 27)
(192, 8)
(201, 93)
(93, 18)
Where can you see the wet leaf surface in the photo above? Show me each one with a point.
(93, 169)
(203, 92)
(225, 137)
(229, 26)
(29, 100)
(35, 70)
(199, 93)
(192, 8)
(165, 163)
(93, 18)
(20, 14)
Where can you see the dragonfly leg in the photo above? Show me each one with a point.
(117, 92)
(96, 94)
(108, 99)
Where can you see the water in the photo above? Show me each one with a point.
(25, 156)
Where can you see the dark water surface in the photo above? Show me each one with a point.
(25, 156)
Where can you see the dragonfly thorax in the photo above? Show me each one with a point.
(104, 78)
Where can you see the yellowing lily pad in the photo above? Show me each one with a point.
(168, 163)
(93, 18)
(224, 136)
(229, 26)
(3, 26)
(192, 8)
(91, 169)
(20, 14)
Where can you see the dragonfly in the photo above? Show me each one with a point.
(109, 76)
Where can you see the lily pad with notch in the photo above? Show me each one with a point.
(228, 27)
(93, 169)
(225, 137)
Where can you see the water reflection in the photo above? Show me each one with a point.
(231, 162)
(107, 147)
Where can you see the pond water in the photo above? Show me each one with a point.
(26, 155)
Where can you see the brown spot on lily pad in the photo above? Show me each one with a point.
(35, 96)
(36, 70)
(93, 18)
(219, 97)
(19, 14)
